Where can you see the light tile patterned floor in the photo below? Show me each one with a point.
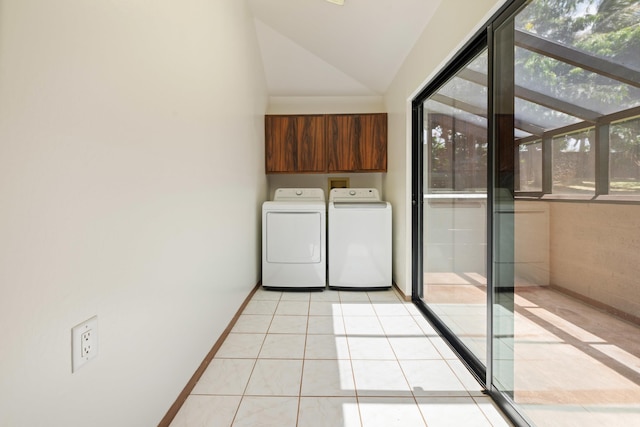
(332, 359)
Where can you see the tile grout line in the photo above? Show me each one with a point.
(482, 412)
(413, 396)
(304, 357)
(254, 363)
(353, 371)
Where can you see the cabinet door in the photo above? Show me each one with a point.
(311, 144)
(372, 142)
(342, 142)
(280, 143)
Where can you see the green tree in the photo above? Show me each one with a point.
(608, 29)
(605, 28)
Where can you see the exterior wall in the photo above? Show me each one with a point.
(131, 179)
(595, 252)
(531, 246)
(455, 235)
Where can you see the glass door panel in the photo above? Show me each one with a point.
(455, 205)
(541, 185)
(566, 330)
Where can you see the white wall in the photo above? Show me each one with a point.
(131, 178)
(453, 24)
(324, 105)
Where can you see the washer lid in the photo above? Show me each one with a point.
(354, 195)
(299, 194)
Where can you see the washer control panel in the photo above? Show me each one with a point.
(354, 195)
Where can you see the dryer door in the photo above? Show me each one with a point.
(294, 237)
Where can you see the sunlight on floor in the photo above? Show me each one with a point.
(335, 358)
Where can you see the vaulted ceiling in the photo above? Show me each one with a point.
(317, 48)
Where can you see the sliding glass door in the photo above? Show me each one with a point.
(526, 221)
(454, 152)
(567, 89)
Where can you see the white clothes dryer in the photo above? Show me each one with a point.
(359, 239)
(294, 239)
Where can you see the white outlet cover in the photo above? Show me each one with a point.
(77, 359)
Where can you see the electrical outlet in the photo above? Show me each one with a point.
(84, 342)
(86, 339)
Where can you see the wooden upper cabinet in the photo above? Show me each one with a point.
(280, 143)
(342, 143)
(294, 144)
(357, 142)
(326, 143)
(372, 147)
(311, 144)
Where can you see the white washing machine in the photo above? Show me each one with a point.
(359, 239)
(294, 239)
